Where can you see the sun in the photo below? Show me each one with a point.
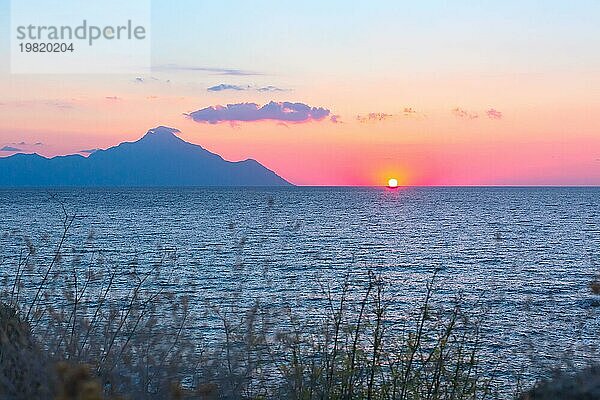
(392, 183)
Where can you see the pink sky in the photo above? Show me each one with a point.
(502, 92)
(547, 132)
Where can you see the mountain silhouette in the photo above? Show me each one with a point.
(160, 158)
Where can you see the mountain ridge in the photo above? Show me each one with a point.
(159, 158)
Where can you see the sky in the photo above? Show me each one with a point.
(343, 93)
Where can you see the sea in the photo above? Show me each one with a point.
(522, 256)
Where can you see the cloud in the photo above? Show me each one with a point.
(112, 98)
(407, 112)
(19, 146)
(373, 117)
(150, 79)
(224, 86)
(53, 103)
(59, 104)
(23, 143)
(336, 119)
(10, 148)
(493, 114)
(88, 151)
(464, 114)
(213, 70)
(271, 88)
(275, 111)
(469, 115)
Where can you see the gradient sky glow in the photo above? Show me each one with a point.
(429, 92)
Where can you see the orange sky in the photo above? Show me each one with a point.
(547, 138)
(535, 68)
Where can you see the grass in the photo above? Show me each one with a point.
(77, 327)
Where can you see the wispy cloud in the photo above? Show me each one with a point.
(211, 70)
(224, 86)
(271, 88)
(493, 114)
(373, 117)
(263, 89)
(10, 149)
(21, 146)
(150, 79)
(248, 112)
(464, 114)
(409, 112)
(336, 119)
(22, 143)
(53, 103)
(461, 113)
(113, 98)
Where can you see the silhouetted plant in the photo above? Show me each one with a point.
(88, 328)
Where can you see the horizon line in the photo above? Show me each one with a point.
(292, 186)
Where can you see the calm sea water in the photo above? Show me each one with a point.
(525, 254)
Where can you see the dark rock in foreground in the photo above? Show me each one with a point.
(584, 385)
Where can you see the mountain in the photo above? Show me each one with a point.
(160, 158)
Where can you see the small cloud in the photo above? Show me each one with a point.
(88, 151)
(464, 114)
(112, 98)
(493, 114)
(248, 112)
(212, 70)
(59, 104)
(223, 86)
(271, 88)
(155, 79)
(10, 149)
(54, 103)
(373, 117)
(26, 144)
(336, 119)
(151, 80)
(409, 112)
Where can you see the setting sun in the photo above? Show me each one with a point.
(392, 183)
